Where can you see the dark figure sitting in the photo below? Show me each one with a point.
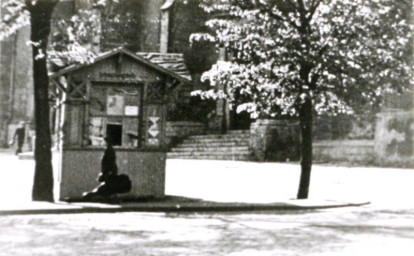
(111, 182)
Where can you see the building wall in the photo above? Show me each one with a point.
(124, 29)
(183, 129)
(394, 140)
(149, 29)
(185, 18)
(16, 82)
(394, 133)
(176, 131)
(139, 26)
(138, 30)
(354, 152)
(393, 144)
(23, 94)
(6, 51)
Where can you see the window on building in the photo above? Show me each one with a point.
(114, 112)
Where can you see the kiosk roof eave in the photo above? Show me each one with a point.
(114, 52)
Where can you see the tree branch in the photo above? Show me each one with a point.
(269, 10)
(314, 6)
(291, 3)
(301, 5)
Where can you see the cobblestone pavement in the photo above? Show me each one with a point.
(386, 227)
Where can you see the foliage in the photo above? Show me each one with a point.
(200, 56)
(38, 14)
(339, 52)
(14, 16)
(298, 57)
(186, 18)
(73, 39)
(191, 109)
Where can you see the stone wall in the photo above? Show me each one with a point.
(394, 142)
(345, 127)
(274, 140)
(136, 27)
(177, 130)
(184, 128)
(344, 151)
(16, 82)
(186, 18)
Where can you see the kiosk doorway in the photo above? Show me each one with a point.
(114, 131)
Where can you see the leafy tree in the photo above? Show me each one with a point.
(73, 40)
(38, 15)
(78, 39)
(305, 57)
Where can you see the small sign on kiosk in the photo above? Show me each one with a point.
(131, 110)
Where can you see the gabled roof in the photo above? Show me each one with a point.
(171, 61)
(147, 60)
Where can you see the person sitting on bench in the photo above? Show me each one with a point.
(111, 182)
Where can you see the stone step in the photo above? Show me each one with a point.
(215, 140)
(219, 136)
(234, 157)
(212, 149)
(230, 134)
(213, 144)
(244, 132)
(26, 156)
(197, 153)
(231, 146)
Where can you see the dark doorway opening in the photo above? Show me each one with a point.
(114, 131)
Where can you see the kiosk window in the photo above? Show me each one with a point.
(114, 112)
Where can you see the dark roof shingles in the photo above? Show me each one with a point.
(173, 62)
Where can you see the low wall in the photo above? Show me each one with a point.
(78, 169)
(344, 151)
(394, 140)
(274, 140)
(184, 128)
(277, 140)
(176, 130)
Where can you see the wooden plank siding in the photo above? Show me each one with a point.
(117, 70)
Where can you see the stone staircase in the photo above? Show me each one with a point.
(231, 146)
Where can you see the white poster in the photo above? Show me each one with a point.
(115, 105)
(131, 110)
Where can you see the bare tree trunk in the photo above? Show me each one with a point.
(40, 16)
(305, 116)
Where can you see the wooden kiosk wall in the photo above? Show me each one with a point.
(142, 153)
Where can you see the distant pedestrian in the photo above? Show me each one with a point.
(19, 136)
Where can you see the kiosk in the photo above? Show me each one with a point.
(122, 95)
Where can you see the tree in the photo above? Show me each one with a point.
(38, 15)
(305, 57)
(77, 40)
